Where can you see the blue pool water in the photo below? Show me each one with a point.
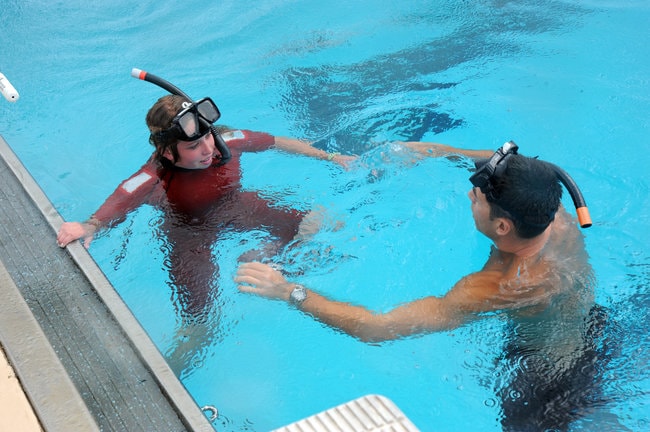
(567, 80)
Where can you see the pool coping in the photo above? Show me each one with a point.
(33, 355)
(36, 363)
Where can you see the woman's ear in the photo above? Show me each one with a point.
(167, 154)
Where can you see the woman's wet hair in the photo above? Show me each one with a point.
(159, 118)
(529, 194)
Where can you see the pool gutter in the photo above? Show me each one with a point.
(32, 355)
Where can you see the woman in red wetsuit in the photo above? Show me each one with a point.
(200, 193)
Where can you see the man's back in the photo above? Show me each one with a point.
(549, 366)
(548, 295)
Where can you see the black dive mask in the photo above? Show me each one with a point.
(488, 169)
(193, 121)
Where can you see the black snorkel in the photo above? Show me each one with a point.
(578, 201)
(496, 165)
(171, 88)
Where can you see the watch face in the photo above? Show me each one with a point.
(298, 295)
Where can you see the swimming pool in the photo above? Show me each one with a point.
(566, 81)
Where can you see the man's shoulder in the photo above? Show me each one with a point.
(478, 288)
(495, 289)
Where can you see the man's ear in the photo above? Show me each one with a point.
(504, 226)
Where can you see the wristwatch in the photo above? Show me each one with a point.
(298, 295)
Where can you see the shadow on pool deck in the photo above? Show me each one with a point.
(82, 358)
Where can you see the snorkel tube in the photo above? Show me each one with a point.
(486, 169)
(171, 88)
(578, 201)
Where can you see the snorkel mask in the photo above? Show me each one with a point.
(494, 167)
(193, 121)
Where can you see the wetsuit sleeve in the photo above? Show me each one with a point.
(248, 141)
(129, 195)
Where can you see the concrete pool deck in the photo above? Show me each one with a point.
(16, 412)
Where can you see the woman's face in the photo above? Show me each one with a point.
(195, 154)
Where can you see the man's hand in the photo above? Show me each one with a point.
(343, 160)
(263, 280)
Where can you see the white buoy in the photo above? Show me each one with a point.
(7, 90)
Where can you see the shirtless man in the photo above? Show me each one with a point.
(537, 275)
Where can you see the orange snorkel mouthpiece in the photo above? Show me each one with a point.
(583, 217)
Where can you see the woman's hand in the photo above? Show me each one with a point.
(71, 231)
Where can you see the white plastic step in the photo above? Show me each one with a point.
(371, 413)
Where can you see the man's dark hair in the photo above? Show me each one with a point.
(529, 194)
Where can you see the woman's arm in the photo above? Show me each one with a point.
(128, 196)
(292, 145)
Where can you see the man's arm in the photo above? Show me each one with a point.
(426, 315)
(443, 150)
(292, 145)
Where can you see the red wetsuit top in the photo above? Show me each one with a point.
(210, 196)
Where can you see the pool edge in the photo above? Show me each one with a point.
(185, 406)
